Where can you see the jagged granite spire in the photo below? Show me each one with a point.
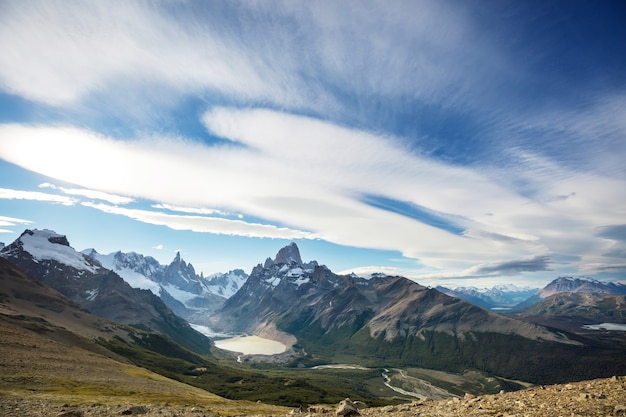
(288, 254)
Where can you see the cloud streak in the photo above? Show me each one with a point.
(9, 194)
(91, 194)
(10, 222)
(278, 168)
(204, 224)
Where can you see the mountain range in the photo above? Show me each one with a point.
(573, 285)
(190, 295)
(394, 321)
(49, 257)
(326, 318)
(499, 297)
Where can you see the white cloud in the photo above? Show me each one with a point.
(9, 194)
(194, 210)
(308, 177)
(204, 224)
(290, 54)
(57, 54)
(92, 194)
(11, 221)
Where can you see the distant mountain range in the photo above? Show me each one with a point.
(573, 285)
(499, 297)
(325, 317)
(570, 303)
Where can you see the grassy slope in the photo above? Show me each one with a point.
(32, 366)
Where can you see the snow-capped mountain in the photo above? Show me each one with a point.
(133, 267)
(188, 294)
(498, 297)
(46, 245)
(580, 285)
(387, 319)
(226, 284)
(573, 285)
(48, 257)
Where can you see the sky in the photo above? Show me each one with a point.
(451, 142)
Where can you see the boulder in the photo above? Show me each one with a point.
(347, 408)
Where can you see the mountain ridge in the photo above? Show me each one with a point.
(568, 284)
(395, 321)
(48, 256)
(190, 295)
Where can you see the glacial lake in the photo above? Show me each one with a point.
(251, 345)
(606, 326)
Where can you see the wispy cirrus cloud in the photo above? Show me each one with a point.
(9, 194)
(204, 224)
(279, 169)
(194, 210)
(308, 58)
(10, 222)
(91, 194)
(95, 44)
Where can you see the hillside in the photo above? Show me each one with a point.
(574, 311)
(38, 375)
(35, 318)
(50, 351)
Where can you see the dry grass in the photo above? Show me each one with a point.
(35, 368)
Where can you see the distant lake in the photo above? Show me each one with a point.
(251, 345)
(606, 326)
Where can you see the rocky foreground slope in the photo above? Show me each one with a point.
(600, 397)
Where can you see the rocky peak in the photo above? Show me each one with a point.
(288, 254)
(47, 245)
(49, 235)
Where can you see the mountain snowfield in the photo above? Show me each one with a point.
(38, 245)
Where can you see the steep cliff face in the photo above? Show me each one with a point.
(187, 293)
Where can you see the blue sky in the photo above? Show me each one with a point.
(452, 142)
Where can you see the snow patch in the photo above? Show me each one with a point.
(301, 281)
(295, 272)
(92, 294)
(273, 281)
(183, 296)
